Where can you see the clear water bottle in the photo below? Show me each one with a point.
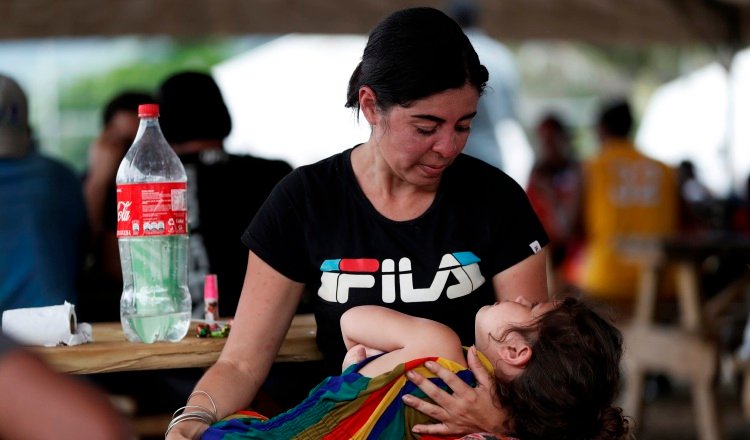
(152, 236)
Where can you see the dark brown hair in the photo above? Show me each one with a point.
(127, 101)
(566, 391)
(412, 54)
(192, 108)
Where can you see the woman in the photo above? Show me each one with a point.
(402, 220)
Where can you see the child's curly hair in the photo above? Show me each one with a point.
(567, 389)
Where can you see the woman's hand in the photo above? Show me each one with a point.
(187, 430)
(467, 410)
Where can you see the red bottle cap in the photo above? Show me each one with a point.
(148, 111)
(210, 287)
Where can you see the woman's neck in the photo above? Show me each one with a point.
(391, 195)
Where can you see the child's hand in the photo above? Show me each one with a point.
(357, 354)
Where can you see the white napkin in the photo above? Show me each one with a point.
(47, 326)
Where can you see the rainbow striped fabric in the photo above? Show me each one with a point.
(350, 406)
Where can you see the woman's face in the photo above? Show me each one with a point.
(492, 321)
(418, 142)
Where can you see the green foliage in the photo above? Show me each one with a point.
(92, 92)
(89, 94)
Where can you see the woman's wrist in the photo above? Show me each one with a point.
(497, 426)
(189, 429)
(193, 419)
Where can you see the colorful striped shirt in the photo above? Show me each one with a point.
(349, 406)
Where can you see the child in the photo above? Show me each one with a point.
(556, 366)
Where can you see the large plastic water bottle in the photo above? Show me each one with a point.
(152, 236)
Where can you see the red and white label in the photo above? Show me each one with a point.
(147, 209)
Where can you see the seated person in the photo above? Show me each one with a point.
(39, 403)
(519, 342)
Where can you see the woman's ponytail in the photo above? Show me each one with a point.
(352, 93)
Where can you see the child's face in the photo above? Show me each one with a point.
(495, 319)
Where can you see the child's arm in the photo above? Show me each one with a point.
(403, 337)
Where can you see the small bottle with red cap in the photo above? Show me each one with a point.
(153, 236)
(211, 298)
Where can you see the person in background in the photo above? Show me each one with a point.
(498, 103)
(554, 189)
(403, 220)
(224, 190)
(625, 195)
(102, 280)
(698, 206)
(739, 220)
(39, 403)
(43, 226)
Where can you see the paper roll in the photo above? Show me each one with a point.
(47, 326)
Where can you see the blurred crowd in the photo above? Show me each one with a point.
(586, 203)
(61, 228)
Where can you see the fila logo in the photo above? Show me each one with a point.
(343, 274)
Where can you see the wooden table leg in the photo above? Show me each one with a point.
(679, 354)
(648, 285)
(746, 390)
(688, 293)
(632, 398)
(704, 405)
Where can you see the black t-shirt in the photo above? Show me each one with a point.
(6, 345)
(318, 227)
(230, 189)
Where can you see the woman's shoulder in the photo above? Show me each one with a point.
(319, 179)
(476, 182)
(472, 171)
(323, 172)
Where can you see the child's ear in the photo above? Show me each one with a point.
(516, 353)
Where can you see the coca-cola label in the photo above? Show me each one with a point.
(147, 209)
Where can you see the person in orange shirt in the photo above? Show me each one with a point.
(626, 195)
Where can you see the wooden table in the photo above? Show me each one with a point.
(110, 351)
(688, 350)
(685, 253)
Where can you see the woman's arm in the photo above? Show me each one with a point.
(264, 314)
(527, 278)
(402, 337)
